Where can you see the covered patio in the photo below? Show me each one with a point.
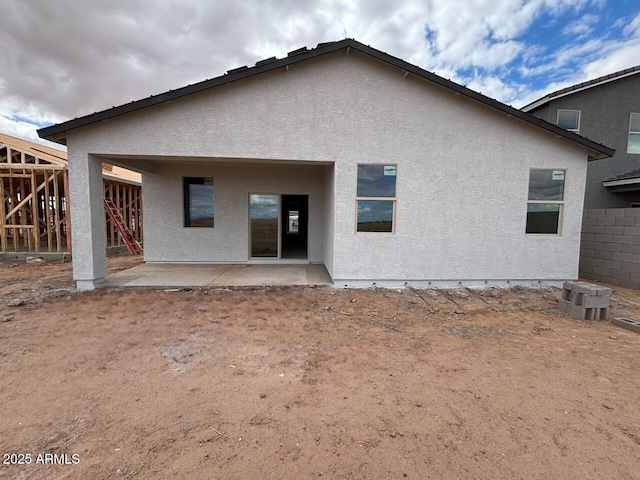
(218, 275)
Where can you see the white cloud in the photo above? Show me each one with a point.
(66, 58)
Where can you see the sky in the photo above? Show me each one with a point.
(67, 58)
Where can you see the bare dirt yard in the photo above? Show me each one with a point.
(312, 383)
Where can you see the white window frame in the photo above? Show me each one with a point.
(632, 133)
(385, 199)
(574, 130)
(547, 202)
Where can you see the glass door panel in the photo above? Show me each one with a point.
(263, 218)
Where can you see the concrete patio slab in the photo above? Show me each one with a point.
(235, 275)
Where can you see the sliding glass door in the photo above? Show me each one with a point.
(264, 224)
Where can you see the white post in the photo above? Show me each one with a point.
(87, 220)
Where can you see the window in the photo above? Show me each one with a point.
(376, 199)
(198, 202)
(633, 144)
(569, 120)
(546, 202)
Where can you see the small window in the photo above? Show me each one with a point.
(198, 202)
(546, 202)
(633, 144)
(569, 120)
(376, 199)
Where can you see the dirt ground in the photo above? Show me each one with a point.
(312, 383)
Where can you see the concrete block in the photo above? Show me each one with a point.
(632, 212)
(634, 276)
(636, 239)
(587, 261)
(603, 291)
(628, 239)
(590, 276)
(630, 248)
(605, 221)
(585, 270)
(582, 288)
(603, 255)
(586, 253)
(567, 286)
(597, 313)
(606, 237)
(588, 237)
(630, 267)
(630, 284)
(594, 245)
(620, 274)
(635, 230)
(595, 302)
(563, 306)
(596, 212)
(576, 311)
(626, 220)
(623, 257)
(613, 264)
(635, 258)
(627, 323)
(596, 229)
(614, 212)
(616, 230)
(596, 262)
(612, 247)
(601, 271)
(591, 221)
(609, 280)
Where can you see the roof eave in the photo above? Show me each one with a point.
(57, 133)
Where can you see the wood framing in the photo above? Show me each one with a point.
(34, 186)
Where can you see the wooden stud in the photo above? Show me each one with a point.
(35, 217)
(47, 206)
(117, 202)
(67, 214)
(56, 214)
(3, 206)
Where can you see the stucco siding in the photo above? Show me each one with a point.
(463, 216)
(329, 217)
(167, 240)
(463, 171)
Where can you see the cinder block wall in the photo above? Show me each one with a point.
(610, 247)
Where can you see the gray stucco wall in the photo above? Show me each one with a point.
(463, 170)
(610, 250)
(167, 240)
(605, 112)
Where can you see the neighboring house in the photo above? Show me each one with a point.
(607, 110)
(42, 226)
(341, 155)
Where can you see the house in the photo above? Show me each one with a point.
(607, 110)
(42, 226)
(341, 155)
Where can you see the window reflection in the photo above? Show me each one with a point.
(198, 202)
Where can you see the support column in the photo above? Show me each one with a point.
(87, 220)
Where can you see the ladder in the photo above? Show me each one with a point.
(114, 214)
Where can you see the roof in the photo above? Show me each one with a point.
(57, 133)
(59, 158)
(52, 155)
(582, 86)
(628, 178)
